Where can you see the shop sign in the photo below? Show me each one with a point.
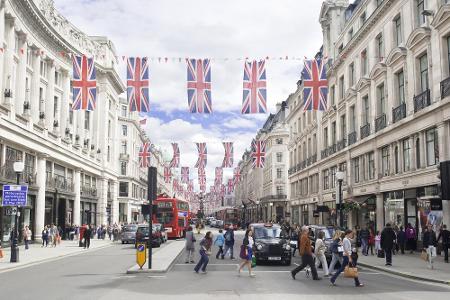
(436, 204)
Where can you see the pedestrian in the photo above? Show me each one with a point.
(350, 257)
(396, 246)
(51, 234)
(377, 242)
(387, 243)
(364, 235)
(55, 236)
(401, 239)
(410, 238)
(87, 237)
(45, 234)
(319, 251)
(198, 227)
(247, 253)
(429, 244)
(305, 251)
(27, 236)
(219, 242)
(190, 245)
(229, 243)
(205, 252)
(371, 241)
(294, 240)
(445, 235)
(109, 231)
(336, 250)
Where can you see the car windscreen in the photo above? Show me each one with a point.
(266, 232)
(329, 232)
(130, 228)
(143, 230)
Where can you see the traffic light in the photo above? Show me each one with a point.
(444, 175)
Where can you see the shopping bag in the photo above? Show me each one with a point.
(253, 261)
(242, 254)
(1, 253)
(424, 255)
(350, 272)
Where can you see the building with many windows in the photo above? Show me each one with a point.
(387, 125)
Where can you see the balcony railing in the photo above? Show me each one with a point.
(308, 161)
(352, 138)
(445, 87)
(8, 174)
(422, 100)
(399, 112)
(380, 122)
(365, 131)
(332, 149)
(303, 164)
(313, 158)
(89, 190)
(299, 166)
(324, 153)
(341, 144)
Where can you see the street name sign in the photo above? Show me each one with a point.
(14, 195)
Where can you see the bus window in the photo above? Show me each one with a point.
(181, 222)
(164, 217)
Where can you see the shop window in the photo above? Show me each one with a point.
(385, 157)
(432, 147)
(123, 189)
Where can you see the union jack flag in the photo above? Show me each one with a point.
(167, 174)
(203, 187)
(185, 174)
(144, 155)
(137, 84)
(199, 85)
(175, 185)
(201, 176)
(230, 186)
(212, 189)
(175, 163)
(84, 83)
(315, 85)
(202, 153)
(222, 190)
(191, 186)
(228, 157)
(258, 153)
(255, 94)
(237, 175)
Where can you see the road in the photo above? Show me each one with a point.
(101, 275)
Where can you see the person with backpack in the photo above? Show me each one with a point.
(229, 243)
(336, 250)
(219, 242)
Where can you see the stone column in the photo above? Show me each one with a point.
(103, 201)
(115, 202)
(9, 60)
(412, 144)
(442, 135)
(128, 206)
(49, 95)
(2, 42)
(40, 200)
(64, 109)
(21, 75)
(35, 104)
(380, 212)
(77, 202)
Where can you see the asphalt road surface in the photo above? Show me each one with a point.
(101, 275)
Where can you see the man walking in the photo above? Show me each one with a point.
(305, 251)
(364, 235)
(445, 235)
(430, 243)
(229, 243)
(87, 237)
(387, 243)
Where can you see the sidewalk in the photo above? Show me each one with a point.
(37, 254)
(410, 266)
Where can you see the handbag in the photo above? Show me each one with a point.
(243, 254)
(380, 254)
(424, 255)
(253, 261)
(350, 272)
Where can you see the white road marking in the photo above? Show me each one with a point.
(157, 276)
(209, 265)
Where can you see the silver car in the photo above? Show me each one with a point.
(128, 234)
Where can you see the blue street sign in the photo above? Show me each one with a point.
(14, 195)
(141, 248)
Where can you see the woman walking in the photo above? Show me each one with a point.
(205, 251)
(319, 251)
(219, 241)
(45, 237)
(336, 250)
(27, 237)
(190, 245)
(378, 243)
(247, 253)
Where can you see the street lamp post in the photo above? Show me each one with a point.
(243, 215)
(340, 178)
(18, 168)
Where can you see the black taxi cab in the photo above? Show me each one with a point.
(270, 244)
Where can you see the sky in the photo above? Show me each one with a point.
(219, 30)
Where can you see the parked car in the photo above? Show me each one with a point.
(142, 236)
(218, 224)
(161, 229)
(128, 234)
(270, 244)
(213, 223)
(328, 238)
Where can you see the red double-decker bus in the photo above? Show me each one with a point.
(173, 214)
(229, 216)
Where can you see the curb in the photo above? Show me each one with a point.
(402, 274)
(41, 261)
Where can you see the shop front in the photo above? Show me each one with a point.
(88, 213)
(366, 214)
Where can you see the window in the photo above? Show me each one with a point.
(396, 161)
(333, 92)
(325, 137)
(406, 155)
(30, 58)
(420, 9)
(123, 168)
(351, 73)
(365, 110)
(124, 130)
(87, 117)
(124, 111)
(279, 157)
(333, 176)
(43, 68)
(55, 106)
(123, 189)
(364, 62)
(423, 68)
(343, 127)
(352, 119)
(70, 114)
(341, 88)
(280, 190)
(448, 54)
(364, 167)
(340, 48)
(381, 100)
(109, 128)
(380, 47)
(333, 133)
(432, 147)
(385, 157)
(418, 164)
(57, 78)
(279, 173)
(362, 18)
(379, 2)
(124, 147)
(356, 170)
(371, 161)
(279, 141)
(326, 182)
(398, 39)
(400, 80)
(108, 154)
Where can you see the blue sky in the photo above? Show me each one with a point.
(205, 29)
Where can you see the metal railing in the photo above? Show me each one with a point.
(399, 112)
(341, 144)
(332, 149)
(445, 87)
(89, 190)
(380, 122)
(314, 158)
(352, 138)
(365, 131)
(324, 153)
(422, 100)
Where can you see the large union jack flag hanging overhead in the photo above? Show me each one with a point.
(228, 157)
(237, 175)
(144, 155)
(230, 186)
(258, 153)
(167, 174)
(175, 162)
(315, 84)
(190, 187)
(219, 175)
(199, 85)
(201, 176)
(137, 84)
(175, 184)
(84, 83)
(255, 93)
(202, 155)
(185, 175)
